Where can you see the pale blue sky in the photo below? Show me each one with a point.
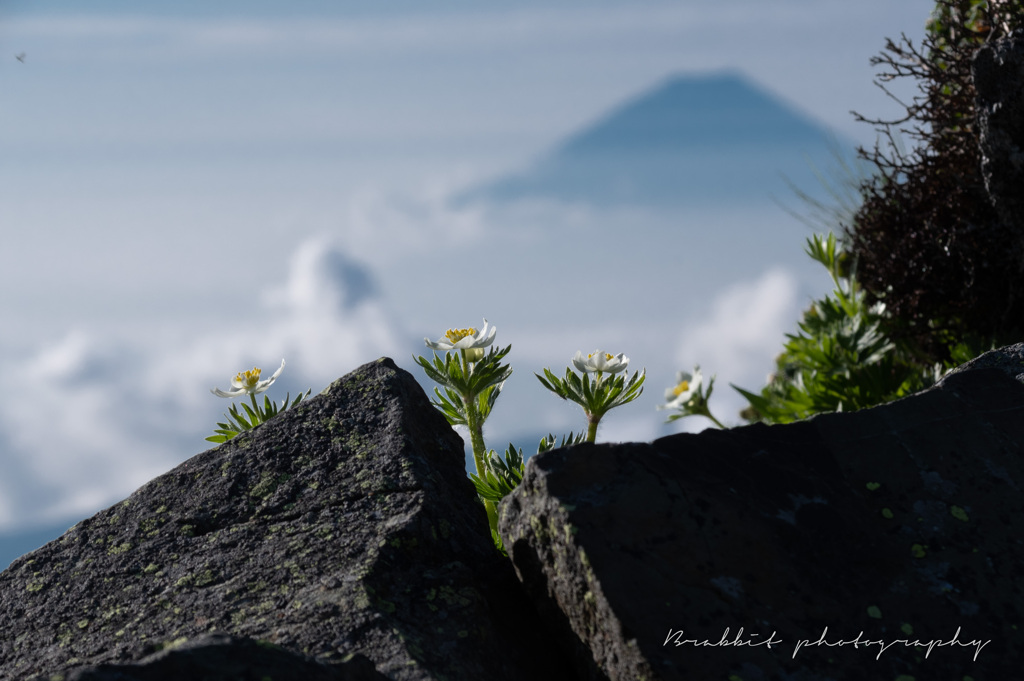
(177, 178)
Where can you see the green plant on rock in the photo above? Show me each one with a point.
(689, 397)
(249, 383)
(547, 443)
(472, 379)
(926, 275)
(607, 390)
(500, 476)
(841, 358)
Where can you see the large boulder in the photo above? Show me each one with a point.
(825, 549)
(343, 527)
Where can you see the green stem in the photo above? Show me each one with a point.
(592, 422)
(476, 433)
(256, 408)
(474, 421)
(707, 412)
(492, 515)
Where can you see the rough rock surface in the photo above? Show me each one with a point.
(219, 657)
(343, 526)
(900, 523)
(998, 72)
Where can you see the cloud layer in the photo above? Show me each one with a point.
(99, 412)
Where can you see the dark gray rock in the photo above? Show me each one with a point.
(902, 522)
(998, 72)
(219, 657)
(1009, 360)
(343, 526)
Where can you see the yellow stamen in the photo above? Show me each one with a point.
(681, 388)
(249, 378)
(608, 356)
(455, 335)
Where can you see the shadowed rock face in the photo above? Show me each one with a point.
(219, 657)
(894, 523)
(998, 72)
(343, 526)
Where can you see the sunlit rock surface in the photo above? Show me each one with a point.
(343, 527)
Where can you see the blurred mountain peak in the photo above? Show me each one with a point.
(692, 137)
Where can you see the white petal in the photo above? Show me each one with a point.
(617, 363)
(277, 373)
(580, 362)
(221, 393)
(439, 345)
(484, 338)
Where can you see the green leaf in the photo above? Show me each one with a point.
(237, 418)
(255, 418)
(547, 443)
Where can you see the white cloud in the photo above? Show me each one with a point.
(421, 225)
(100, 412)
(739, 338)
(745, 322)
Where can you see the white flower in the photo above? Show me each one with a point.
(600, 361)
(687, 385)
(248, 383)
(465, 339)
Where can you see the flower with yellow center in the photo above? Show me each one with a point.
(598, 361)
(470, 340)
(248, 383)
(687, 385)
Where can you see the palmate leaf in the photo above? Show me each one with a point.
(487, 398)
(484, 373)
(622, 391)
(488, 371)
(451, 405)
(437, 370)
(595, 397)
(499, 476)
(547, 443)
(563, 389)
(237, 423)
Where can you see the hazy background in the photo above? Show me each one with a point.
(187, 191)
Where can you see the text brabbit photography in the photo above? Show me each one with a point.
(753, 640)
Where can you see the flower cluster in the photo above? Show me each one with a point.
(249, 383)
(601, 394)
(472, 378)
(688, 398)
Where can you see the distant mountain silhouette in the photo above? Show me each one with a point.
(693, 138)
